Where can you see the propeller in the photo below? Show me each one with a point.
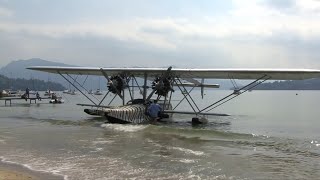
(116, 84)
(161, 85)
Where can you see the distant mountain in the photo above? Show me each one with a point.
(17, 69)
(33, 84)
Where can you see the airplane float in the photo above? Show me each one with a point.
(162, 81)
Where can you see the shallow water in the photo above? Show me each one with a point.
(269, 135)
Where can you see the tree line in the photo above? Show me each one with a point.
(309, 84)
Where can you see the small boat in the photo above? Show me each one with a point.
(32, 92)
(15, 93)
(71, 92)
(4, 93)
(10, 93)
(57, 100)
(48, 93)
(98, 92)
(90, 91)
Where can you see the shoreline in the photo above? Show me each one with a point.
(15, 171)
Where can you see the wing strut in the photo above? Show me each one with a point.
(233, 95)
(169, 102)
(103, 98)
(76, 87)
(202, 87)
(185, 96)
(185, 90)
(128, 79)
(75, 81)
(112, 99)
(145, 87)
(134, 78)
(234, 83)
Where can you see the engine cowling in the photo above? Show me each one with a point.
(162, 86)
(116, 84)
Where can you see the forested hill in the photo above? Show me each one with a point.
(33, 84)
(310, 84)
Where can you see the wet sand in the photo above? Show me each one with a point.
(15, 175)
(10, 171)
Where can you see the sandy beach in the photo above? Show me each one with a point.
(10, 171)
(15, 175)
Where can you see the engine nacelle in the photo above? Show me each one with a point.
(116, 84)
(162, 86)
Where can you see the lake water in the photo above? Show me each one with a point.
(269, 135)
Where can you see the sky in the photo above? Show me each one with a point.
(153, 33)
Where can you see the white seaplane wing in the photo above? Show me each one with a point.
(274, 74)
(162, 82)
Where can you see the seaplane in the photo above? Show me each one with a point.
(162, 83)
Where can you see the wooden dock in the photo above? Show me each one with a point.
(31, 99)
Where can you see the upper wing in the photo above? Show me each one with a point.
(275, 74)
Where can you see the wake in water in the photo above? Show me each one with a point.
(124, 127)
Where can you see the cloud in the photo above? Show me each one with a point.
(168, 32)
(280, 4)
(251, 33)
(309, 6)
(123, 31)
(4, 12)
(248, 19)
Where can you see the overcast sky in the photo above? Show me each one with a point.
(153, 33)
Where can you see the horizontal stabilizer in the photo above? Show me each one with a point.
(93, 105)
(202, 113)
(200, 85)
